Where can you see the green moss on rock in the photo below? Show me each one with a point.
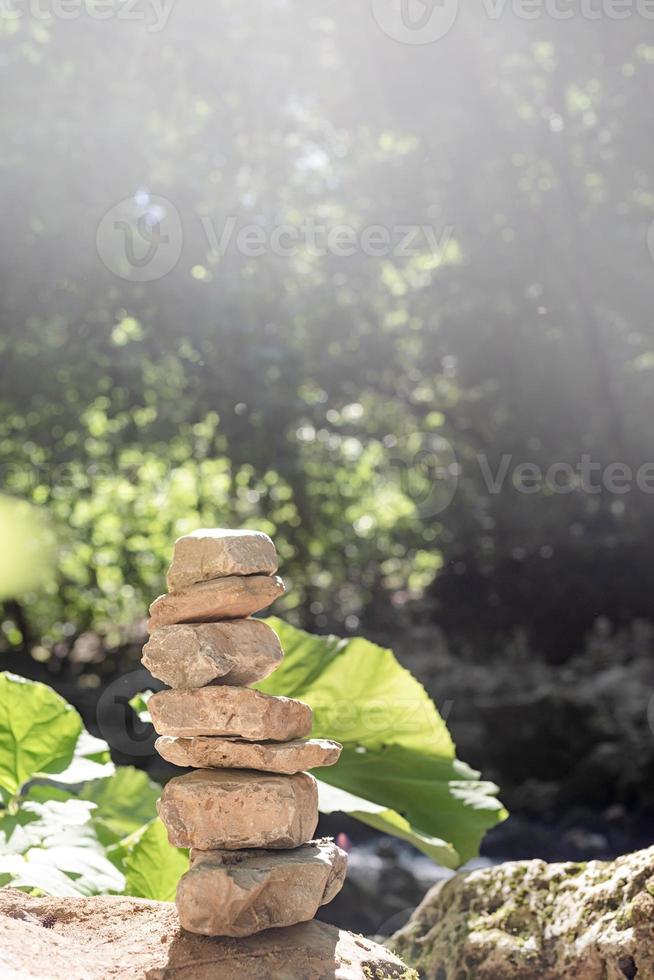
(530, 920)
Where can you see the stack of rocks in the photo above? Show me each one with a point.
(249, 811)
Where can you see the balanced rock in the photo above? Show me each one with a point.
(216, 552)
(216, 809)
(231, 711)
(238, 893)
(232, 597)
(241, 651)
(233, 753)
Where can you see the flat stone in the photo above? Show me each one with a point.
(224, 809)
(109, 937)
(231, 711)
(233, 597)
(238, 893)
(216, 552)
(233, 753)
(241, 651)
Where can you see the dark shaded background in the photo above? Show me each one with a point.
(353, 406)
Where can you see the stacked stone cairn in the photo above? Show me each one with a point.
(248, 811)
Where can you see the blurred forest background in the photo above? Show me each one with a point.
(352, 406)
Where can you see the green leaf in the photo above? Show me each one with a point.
(38, 731)
(51, 844)
(91, 760)
(139, 703)
(333, 800)
(124, 802)
(151, 865)
(397, 752)
(64, 871)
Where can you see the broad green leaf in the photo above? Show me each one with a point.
(38, 731)
(397, 752)
(151, 865)
(359, 693)
(334, 800)
(51, 844)
(63, 871)
(124, 802)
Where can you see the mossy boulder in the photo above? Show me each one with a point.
(529, 920)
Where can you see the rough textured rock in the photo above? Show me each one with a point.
(195, 654)
(528, 920)
(216, 552)
(224, 809)
(112, 938)
(237, 711)
(234, 753)
(238, 893)
(233, 597)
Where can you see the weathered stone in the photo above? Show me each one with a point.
(233, 753)
(241, 651)
(528, 920)
(216, 552)
(110, 937)
(233, 597)
(238, 893)
(231, 711)
(228, 809)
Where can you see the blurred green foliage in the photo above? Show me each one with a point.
(296, 394)
(28, 551)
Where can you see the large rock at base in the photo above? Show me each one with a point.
(233, 597)
(238, 652)
(233, 753)
(238, 893)
(528, 920)
(216, 552)
(225, 809)
(229, 711)
(111, 938)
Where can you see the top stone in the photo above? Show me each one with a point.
(216, 552)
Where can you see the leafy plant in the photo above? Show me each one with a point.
(73, 824)
(99, 836)
(398, 771)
